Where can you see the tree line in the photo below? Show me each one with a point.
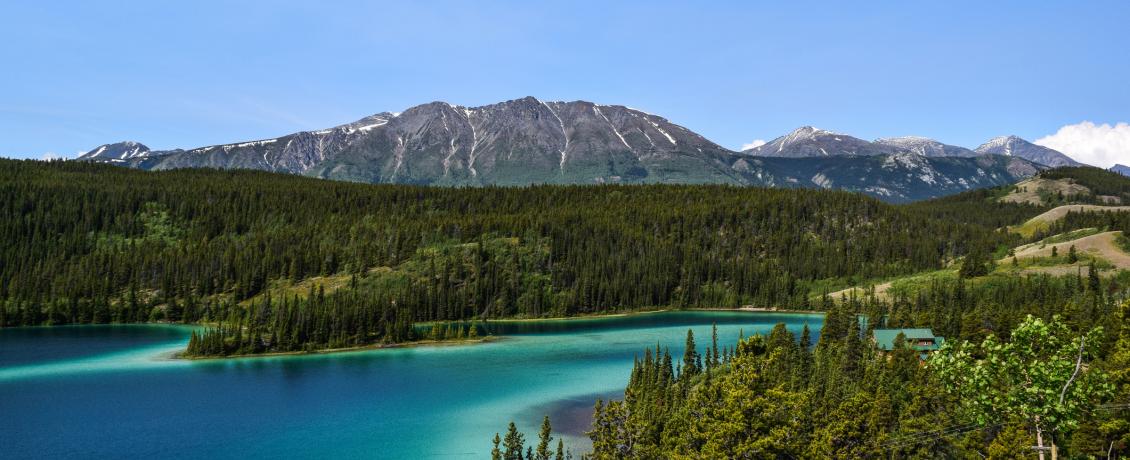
(88, 243)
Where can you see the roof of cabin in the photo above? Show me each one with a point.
(885, 338)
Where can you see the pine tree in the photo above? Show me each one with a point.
(496, 453)
(544, 439)
(514, 444)
(714, 345)
(690, 356)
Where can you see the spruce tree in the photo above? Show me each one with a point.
(544, 439)
(514, 444)
(690, 356)
(714, 344)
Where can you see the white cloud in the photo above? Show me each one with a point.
(756, 143)
(1099, 145)
(52, 156)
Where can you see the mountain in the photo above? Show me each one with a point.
(925, 146)
(1121, 169)
(1015, 146)
(522, 141)
(898, 177)
(529, 141)
(808, 141)
(116, 152)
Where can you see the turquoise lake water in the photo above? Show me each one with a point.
(112, 391)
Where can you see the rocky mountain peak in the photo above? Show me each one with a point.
(1016, 146)
(118, 151)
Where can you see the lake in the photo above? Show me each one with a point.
(113, 391)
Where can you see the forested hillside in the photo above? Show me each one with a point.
(85, 243)
(1061, 349)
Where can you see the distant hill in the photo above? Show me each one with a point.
(1016, 204)
(1073, 185)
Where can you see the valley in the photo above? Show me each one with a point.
(343, 286)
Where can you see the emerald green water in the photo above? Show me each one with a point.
(112, 391)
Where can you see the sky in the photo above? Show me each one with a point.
(76, 74)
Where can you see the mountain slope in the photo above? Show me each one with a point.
(899, 177)
(528, 141)
(1015, 146)
(1121, 169)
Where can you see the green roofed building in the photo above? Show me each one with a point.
(921, 340)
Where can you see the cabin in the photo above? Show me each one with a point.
(922, 340)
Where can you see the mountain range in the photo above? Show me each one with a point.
(529, 141)
(808, 141)
(1121, 169)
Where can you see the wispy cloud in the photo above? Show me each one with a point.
(756, 143)
(1100, 145)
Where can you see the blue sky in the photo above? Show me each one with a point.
(186, 74)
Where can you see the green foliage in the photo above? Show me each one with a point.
(513, 444)
(981, 207)
(544, 438)
(975, 264)
(1075, 221)
(774, 396)
(1040, 377)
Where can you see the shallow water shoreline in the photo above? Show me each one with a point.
(378, 346)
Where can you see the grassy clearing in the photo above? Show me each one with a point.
(1043, 221)
(1038, 190)
(1069, 236)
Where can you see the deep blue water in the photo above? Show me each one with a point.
(112, 391)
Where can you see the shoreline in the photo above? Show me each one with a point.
(448, 343)
(326, 351)
(647, 312)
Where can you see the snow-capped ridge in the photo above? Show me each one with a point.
(121, 151)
